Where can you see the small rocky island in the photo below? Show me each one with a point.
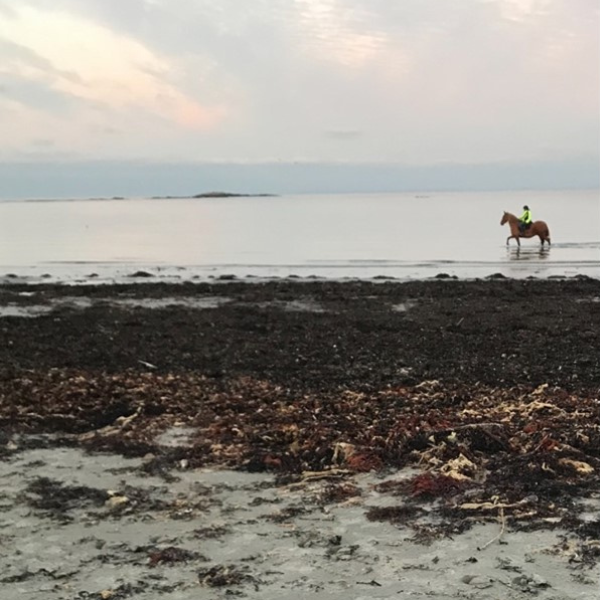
(230, 195)
(215, 195)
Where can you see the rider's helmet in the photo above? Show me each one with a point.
(526, 207)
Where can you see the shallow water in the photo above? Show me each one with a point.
(405, 236)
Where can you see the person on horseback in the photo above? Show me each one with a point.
(525, 219)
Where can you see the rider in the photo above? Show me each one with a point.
(525, 219)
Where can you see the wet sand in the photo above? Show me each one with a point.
(360, 440)
(110, 532)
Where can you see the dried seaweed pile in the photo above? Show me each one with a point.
(526, 455)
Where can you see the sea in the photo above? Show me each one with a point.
(404, 236)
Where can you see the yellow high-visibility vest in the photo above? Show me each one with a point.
(526, 217)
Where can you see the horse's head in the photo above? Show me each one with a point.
(504, 218)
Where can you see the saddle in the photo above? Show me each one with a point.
(524, 226)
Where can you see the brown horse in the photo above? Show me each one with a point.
(538, 228)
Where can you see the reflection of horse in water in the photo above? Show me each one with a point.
(538, 228)
(541, 252)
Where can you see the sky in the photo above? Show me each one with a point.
(337, 86)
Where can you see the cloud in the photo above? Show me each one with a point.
(6, 10)
(102, 67)
(421, 80)
(21, 58)
(34, 94)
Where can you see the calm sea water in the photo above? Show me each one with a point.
(406, 236)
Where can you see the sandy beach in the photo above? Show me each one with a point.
(301, 438)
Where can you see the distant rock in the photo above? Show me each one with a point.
(228, 195)
(582, 277)
(214, 195)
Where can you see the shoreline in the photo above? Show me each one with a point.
(203, 275)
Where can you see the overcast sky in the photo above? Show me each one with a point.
(416, 82)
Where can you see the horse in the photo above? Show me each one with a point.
(538, 228)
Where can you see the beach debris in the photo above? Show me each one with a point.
(477, 581)
(579, 466)
(327, 474)
(225, 576)
(119, 425)
(432, 486)
(57, 499)
(27, 574)
(372, 583)
(399, 515)
(171, 555)
(476, 450)
(460, 468)
(147, 364)
(502, 520)
(494, 505)
(338, 493)
(286, 514)
(342, 451)
(122, 592)
(115, 500)
(540, 389)
(212, 532)
(530, 583)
